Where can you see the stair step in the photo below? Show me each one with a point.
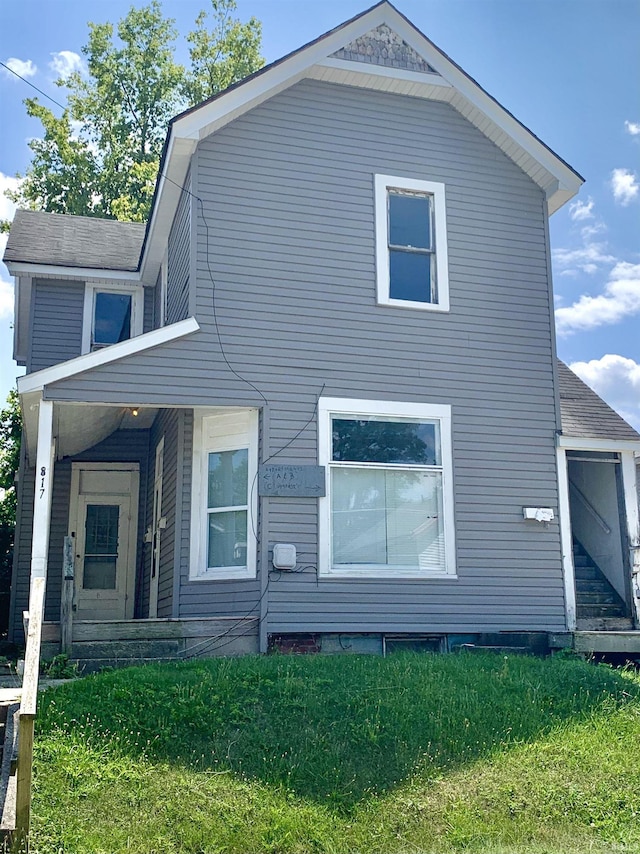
(604, 624)
(597, 597)
(588, 573)
(600, 611)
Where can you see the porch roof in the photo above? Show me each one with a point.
(585, 415)
(55, 239)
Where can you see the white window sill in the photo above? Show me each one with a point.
(225, 574)
(417, 574)
(405, 303)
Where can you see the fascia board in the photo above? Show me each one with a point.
(113, 353)
(280, 76)
(573, 443)
(18, 268)
(176, 166)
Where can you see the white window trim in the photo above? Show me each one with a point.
(137, 309)
(328, 406)
(384, 183)
(198, 570)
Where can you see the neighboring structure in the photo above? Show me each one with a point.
(337, 336)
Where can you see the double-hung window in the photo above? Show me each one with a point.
(411, 243)
(389, 507)
(224, 503)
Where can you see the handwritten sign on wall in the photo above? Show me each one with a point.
(292, 481)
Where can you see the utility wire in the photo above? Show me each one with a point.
(28, 82)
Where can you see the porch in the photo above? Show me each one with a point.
(96, 644)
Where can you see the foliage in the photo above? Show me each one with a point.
(101, 156)
(10, 433)
(59, 667)
(316, 754)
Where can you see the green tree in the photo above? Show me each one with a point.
(10, 433)
(100, 158)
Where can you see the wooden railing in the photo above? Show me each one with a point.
(28, 706)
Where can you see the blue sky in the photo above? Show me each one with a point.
(568, 69)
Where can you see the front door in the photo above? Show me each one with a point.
(103, 524)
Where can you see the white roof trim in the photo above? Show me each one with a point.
(573, 443)
(113, 353)
(24, 268)
(210, 116)
(423, 77)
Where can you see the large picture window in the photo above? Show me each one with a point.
(224, 508)
(389, 509)
(411, 243)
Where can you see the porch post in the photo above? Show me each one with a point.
(566, 539)
(628, 466)
(43, 490)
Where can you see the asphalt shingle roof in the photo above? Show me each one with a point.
(585, 415)
(74, 241)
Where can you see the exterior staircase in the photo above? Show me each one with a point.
(598, 605)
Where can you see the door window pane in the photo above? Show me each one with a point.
(228, 539)
(374, 440)
(112, 318)
(101, 547)
(228, 475)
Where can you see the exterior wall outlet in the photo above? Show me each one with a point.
(284, 556)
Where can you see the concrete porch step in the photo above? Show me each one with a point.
(604, 624)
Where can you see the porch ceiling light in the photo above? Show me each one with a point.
(135, 411)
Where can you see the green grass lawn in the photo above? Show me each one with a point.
(412, 753)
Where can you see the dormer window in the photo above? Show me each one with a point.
(411, 243)
(111, 315)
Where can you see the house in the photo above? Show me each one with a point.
(316, 399)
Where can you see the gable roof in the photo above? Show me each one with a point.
(585, 415)
(349, 55)
(74, 241)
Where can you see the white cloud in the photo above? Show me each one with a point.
(7, 207)
(624, 185)
(620, 299)
(617, 380)
(65, 62)
(579, 211)
(23, 67)
(586, 259)
(6, 299)
(633, 128)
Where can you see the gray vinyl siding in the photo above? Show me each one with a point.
(178, 259)
(149, 319)
(287, 191)
(56, 323)
(121, 446)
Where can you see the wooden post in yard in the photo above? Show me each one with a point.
(28, 703)
(66, 599)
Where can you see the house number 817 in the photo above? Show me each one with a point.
(43, 472)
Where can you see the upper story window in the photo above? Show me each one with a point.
(411, 243)
(111, 315)
(389, 505)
